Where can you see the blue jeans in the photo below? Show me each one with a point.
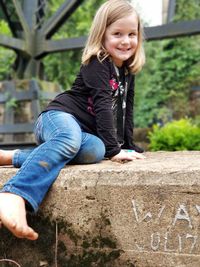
(61, 141)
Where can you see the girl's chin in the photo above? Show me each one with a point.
(123, 58)
(119, 60)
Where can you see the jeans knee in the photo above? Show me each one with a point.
(68, 145)
(92, 153)
(96, 155)
(99, 151)
(72, 147)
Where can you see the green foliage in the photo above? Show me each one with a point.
(11, 103)
(6, 60)
(164, 86)
(187, 10)
(197, 120)
(63, 67)
(176, 135)
(7, 56)
(4, 29)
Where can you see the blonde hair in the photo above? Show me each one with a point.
(108, 13)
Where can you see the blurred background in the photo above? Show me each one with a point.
(168, 87)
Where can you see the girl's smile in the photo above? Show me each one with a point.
(121, 39)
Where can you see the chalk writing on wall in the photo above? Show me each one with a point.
(168, 229)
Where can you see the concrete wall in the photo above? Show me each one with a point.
(144, 213)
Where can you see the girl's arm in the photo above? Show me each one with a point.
(129, 151)
(129, 124)
(128, 134)
(96, 77)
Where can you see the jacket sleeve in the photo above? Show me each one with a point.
(128, 134)
(96, 76)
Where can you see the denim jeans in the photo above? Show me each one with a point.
(61, 141)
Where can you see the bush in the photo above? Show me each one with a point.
(176, 135)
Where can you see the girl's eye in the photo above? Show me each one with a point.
(117, 33)
(132, 34)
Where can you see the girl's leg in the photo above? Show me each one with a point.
(20, 156)
(14, 157)
(92, 150)
(6, 157)
(62, 138)
(13, 216)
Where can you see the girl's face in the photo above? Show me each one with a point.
(121, 39)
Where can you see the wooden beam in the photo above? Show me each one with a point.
(57, 20)
(16, 128)
(29, 9)
(21, 17)
(51, 46)
(13, 43)
(171, 10)
(172, 30)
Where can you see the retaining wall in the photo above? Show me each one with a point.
(144, 213)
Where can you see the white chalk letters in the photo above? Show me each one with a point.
(167, 228)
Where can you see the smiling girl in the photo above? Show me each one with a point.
(92, 121)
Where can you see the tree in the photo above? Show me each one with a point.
(172, 68)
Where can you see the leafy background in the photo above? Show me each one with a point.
(163, 88)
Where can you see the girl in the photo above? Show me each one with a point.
(91, 121)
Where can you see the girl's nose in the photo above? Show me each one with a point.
(125, 40)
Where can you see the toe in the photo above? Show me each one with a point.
(31, 234)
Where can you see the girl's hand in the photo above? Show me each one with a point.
(127, 155)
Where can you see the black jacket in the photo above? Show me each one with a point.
(90, 101)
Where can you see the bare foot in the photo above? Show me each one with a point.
(6, 157)
(13, 216)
